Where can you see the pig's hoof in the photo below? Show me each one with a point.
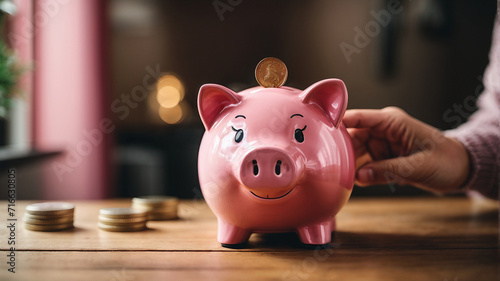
(316, 246)
(235, 246)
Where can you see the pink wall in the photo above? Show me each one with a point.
(70, 97)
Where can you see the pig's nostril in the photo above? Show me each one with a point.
(255, 167)
(277, 168)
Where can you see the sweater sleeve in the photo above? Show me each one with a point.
(481, 133)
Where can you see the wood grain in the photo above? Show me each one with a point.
(427, 238)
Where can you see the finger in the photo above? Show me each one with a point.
(362, 142)
(363, 159)
(398, 170)
(388, 123)
(359, 139)
(392, 124)
(363, 118)
(379, 149)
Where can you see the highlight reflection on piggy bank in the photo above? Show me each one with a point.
(275, 160)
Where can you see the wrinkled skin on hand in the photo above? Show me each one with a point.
(393, 147)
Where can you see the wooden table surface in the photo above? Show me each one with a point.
(427, 238)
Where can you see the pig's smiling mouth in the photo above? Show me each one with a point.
(272, 197)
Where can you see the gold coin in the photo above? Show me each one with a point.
(51, 227)
(162, 217)
(154, 209)
(271, 73)
(167, 211)
(172, 211)
(119, 221)
(124, 225)
(115, 228)
(155, 200)
(50, 208)
(121, 213)
(47, 217)
(62, 220)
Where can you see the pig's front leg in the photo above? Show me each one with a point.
(317, 234)
(231, 236)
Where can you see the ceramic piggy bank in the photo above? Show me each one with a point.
(275, 160)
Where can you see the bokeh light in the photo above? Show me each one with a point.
(168, 96)
(171, 80)
(171, 115)
(166, 102)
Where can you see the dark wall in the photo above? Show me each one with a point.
(426, 60)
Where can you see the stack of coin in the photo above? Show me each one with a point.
(159, 207)
(49, 216)
(122, 219)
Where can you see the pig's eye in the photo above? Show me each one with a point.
(299, 134)
(239, 134)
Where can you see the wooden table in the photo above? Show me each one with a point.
(428, 238)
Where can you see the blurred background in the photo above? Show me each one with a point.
(99, 97)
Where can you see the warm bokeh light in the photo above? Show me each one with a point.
(172, 81)
(166, 102)
(171, 115)
(168, 96)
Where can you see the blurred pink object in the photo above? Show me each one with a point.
(275, 160)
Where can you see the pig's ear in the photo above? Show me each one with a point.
(330, 96)
(212, 100)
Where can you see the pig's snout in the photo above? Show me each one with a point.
(268, 173)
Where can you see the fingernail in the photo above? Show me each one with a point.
(365, 175)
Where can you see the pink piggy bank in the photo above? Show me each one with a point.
(275, 160)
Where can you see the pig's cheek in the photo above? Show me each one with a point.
(221, 164)
(227, 148)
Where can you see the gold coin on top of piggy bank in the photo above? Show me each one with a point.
(271, 73)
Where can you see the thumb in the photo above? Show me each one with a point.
(397, 170)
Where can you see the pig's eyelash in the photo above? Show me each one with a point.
(303, 128)
(234, 129)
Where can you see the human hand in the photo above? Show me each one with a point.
(393, 147)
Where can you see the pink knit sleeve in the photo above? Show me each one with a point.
(481, 133)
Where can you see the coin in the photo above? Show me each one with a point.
(158, 207)
(51, 227)
(271, 73)
(121, 213)
(121, 221)
(154, 199)
(50, 208)
(162, 217)
(62, 220)
(128, 228)
(154, 208)
(47, 217)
